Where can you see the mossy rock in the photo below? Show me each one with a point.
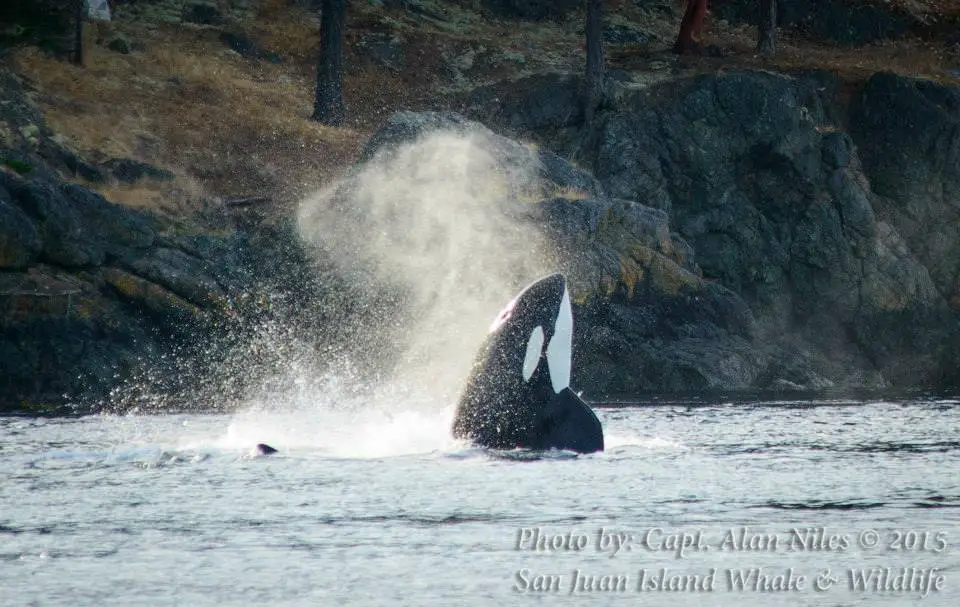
(17, 166)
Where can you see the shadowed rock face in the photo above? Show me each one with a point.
(773, 199)
(758, 178)
(101, 305)
(908, 132)
(845, 23)
(89, 289)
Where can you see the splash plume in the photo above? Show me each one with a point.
(434, 223)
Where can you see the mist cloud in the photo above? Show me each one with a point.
(435, 224)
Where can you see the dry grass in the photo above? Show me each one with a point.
(182, 196)
(287, 30)
(142, 196)
(236, 126)
(230, 126)
(192, 106)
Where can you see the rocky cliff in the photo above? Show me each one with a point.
(737, 230)
(102, 305)
(774, 198)
(728, 241)
(831, 221)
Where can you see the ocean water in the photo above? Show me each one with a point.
(814, 502)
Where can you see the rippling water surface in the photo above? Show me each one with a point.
(747, 503)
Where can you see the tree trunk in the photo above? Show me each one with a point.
(767, 28)
(328, 107)
(78, 35)
(594, 75)
(691, 28)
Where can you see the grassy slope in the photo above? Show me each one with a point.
(230, 126)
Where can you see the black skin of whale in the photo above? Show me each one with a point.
(264, 449)
(500, 410)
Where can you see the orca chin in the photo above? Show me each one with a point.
(518, 393)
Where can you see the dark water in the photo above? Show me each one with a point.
(764, 503)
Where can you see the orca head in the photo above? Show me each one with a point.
(535, 333)
(518, 393)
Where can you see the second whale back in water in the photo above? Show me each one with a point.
(518, 393)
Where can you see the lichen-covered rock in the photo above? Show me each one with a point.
(93, 292)
(247, 47)
(61, 340)
(775, 203)
(731, 240)
(908, 132)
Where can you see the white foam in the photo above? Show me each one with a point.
(366, 433)
(614, 441)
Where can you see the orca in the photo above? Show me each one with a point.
(264, 449)
(518, 393)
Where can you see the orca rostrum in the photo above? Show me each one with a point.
(518, 394)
